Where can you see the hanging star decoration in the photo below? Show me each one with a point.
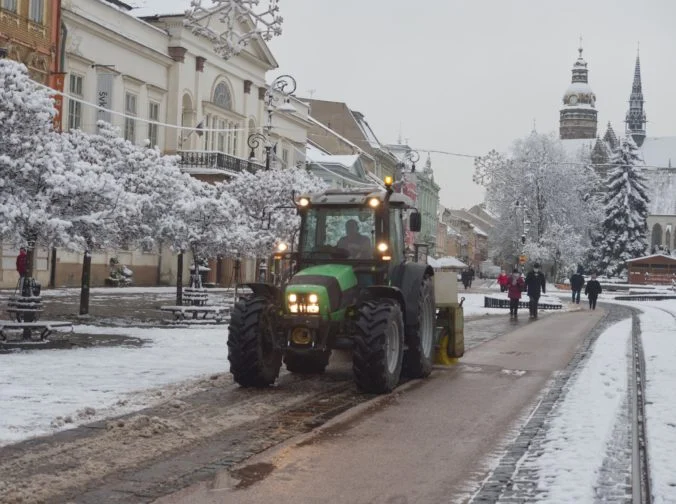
(222, 21)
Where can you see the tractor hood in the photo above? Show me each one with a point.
(330, 281)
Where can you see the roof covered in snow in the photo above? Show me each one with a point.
(142, 8)
(647, 259)
(659, 151)
(445, 262)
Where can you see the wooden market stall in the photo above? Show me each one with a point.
(657, 269)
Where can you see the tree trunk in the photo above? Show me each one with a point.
(52, 269)
(179, 280)
(86, 276)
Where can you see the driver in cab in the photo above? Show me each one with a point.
(358, 245)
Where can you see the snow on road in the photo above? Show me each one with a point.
(87, 384)
(581, 427)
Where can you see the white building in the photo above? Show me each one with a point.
(152, 68)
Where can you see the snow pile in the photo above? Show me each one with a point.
(581, 429)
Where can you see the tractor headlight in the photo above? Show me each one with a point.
(313, 298)
(382, 247)
(303, 303)
(293, 298)
(293, 303)
(313, 303)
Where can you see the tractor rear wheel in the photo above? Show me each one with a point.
(254, 355)
(419, 357)
(306, 362)
(378, 346)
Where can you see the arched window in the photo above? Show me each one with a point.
(656, 240)
(222, 96)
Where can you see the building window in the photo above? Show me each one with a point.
(75, 107)
(9, 5)
(222, 96)
(37, 9)
(221, 137)
(285, 158)
(153, 115)
(129, 122)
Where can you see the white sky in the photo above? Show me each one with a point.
(471, 75)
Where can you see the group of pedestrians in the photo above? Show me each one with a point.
(535, 285)
(592, 288)
(467, 277)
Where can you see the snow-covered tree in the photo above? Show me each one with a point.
(203, 220)
(262, 197)
(40, 194)
(625, 209)
(532, 191)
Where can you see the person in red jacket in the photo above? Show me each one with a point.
(515, 286)
(21, 266)
(503, 280)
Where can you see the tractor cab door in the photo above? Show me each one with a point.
(397, 235)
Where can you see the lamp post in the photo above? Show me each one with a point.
(277, 99)
(525, 223)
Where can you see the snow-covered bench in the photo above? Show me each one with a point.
(200, 314)
(46, 327)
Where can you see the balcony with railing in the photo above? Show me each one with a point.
(215, 162)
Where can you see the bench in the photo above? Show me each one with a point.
(195, 297)
(204, 314)
(45, 327)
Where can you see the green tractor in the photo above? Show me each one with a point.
(353, 289)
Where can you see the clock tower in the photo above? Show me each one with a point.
(578, 114)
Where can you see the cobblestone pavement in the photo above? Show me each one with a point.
(515, 481)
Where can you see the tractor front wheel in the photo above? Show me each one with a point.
(378, 346)
(307, 362)
(254, 355)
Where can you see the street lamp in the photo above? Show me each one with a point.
(277, 99)
(412, 157)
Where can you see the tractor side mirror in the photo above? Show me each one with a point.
(415, 222)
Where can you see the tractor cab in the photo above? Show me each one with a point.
(352, 289)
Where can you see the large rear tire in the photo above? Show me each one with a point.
(307, 362)
(255, 358)
(379, 346)
(419, 357)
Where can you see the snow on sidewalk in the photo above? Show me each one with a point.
(582, 424)
(83, 385)
(658, 333)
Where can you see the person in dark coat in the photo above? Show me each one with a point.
(465, 276)
(471, 276)
(535, 286)
(576, 284)
(592, 291)
(515, 286)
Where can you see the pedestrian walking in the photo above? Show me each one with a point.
(515, 286)
(471, 276)
(576, 284)
(592, 291)
(503, 280)
(535, 287)
(21, 267)
(465, 279)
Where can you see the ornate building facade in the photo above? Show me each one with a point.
(578, 114)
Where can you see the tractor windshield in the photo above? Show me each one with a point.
(338, 233)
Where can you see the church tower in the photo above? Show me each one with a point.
(636, 118)
(578, 114)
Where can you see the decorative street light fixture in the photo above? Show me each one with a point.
(229, 16)
(412, 157)
(277, 99)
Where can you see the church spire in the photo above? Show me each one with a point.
(636, 117)
(578, 114)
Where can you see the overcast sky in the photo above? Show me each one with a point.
(471, 75)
